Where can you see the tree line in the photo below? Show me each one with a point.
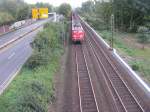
(16, 10)
(129, 14)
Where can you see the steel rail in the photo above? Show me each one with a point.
(102, 66)
(115, 70)
(79, 81)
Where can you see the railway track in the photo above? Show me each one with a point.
(124, 99)
(87, 97)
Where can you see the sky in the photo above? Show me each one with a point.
(73, 3)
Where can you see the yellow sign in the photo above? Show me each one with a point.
(35, 13)
(39, 13)
(43, 13)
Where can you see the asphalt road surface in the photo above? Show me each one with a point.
(15, 55)
(5, 38)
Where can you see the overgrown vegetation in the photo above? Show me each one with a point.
(45, 45)
(65, 10)
(143, 35)
(137, 58)
(5, 18)
(129, 14)
(15, 9)
(33, 90)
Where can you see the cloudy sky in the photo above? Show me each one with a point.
(73, 3)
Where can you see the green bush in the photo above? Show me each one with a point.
(142, 34)
(106, 35)
(38, 95)
(135, 67)
(97, 24)
(5, 18)
(32, 100)
(36, 60)
(33, 90)
(46, 25)
(44, 45)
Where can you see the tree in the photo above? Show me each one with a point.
(104, 10)
(5, 18)
(143, 37)
(129, 14)
(23, 13)
(64, 9)
(11, 6)
(44, 5)
(14, 10)
(88, 6)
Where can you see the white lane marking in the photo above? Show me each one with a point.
(125, 64)
(8, 80)
(9, 57)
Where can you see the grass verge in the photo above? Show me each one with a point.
(137, 58)
(32, 89)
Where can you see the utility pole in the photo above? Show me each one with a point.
(112, 26)
(63, 34)
(112, 32)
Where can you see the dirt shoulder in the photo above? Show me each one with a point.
(59, 81)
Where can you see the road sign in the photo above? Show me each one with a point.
(39, 13)
(43, 13)
(35, 13)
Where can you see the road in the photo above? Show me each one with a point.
(13, 35)
(15, 55)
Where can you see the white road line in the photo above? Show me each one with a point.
(8, 80)
(9, 57)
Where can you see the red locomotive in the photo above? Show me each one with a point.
(78, 33)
